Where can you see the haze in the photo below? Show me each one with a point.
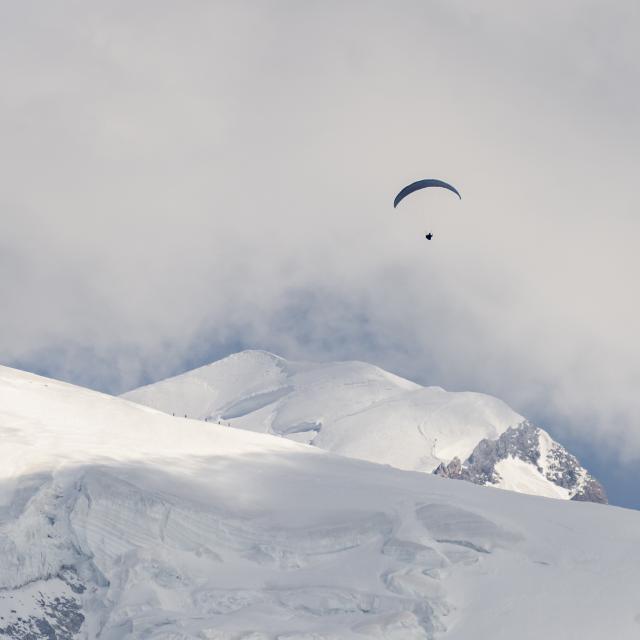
(184, 180)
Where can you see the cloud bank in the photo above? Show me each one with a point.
(184, 179)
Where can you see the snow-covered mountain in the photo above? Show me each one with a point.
(120, 522)
(359, 410)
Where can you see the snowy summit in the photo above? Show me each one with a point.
(359, 410)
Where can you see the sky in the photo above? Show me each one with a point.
(182, 180)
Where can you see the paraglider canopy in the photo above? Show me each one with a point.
(423, 184)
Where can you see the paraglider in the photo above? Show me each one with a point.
(423, 184)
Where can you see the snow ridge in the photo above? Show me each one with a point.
(358, 410)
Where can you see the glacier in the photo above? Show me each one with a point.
(118, 521)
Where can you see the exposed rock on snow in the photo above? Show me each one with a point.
(533, 447)
(47, 608)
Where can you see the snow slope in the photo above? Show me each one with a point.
(359, 410)
(118, 521)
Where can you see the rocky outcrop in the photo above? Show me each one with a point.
(533, 446)
(591, 491)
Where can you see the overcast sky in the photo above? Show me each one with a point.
(181, 180)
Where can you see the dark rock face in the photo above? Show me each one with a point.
(592, 491)
(59, 618)
(451, 470)
(523, 442)
(51, 610)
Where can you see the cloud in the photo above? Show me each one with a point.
(183, 180)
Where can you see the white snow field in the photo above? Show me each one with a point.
(361, 411)
(118, 521)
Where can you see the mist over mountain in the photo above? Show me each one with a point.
(186, 182)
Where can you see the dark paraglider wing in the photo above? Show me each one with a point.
(423, 184)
